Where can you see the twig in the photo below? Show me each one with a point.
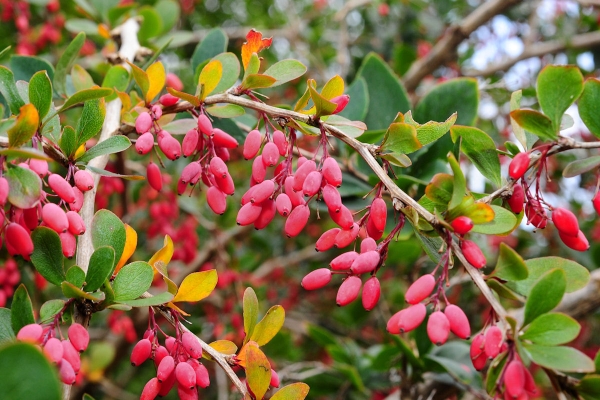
(295, 257)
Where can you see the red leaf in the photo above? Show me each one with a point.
(254, 43)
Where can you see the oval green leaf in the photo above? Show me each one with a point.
(108, 230)
(545, 294)
(101, 265)
(579, 167)
(295, 391)
(561, 358)
(47, 257)
(285, 71)
(510, 265)
(24, 187)
(268, 327)
(114, 144)
(133, 280)
(21, 312)
(577, 275)
(552, 329)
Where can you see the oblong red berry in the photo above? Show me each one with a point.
(191, 345)
(141, 352)
(204, 125)
(160, 353)
(341, 101)
(165, 368)
(187, 393)
(61, 187)
(262, 191)
(167, 384)
(202, 377)
(259, 171)
(71, 355)
(343, 261)
(332, 198)
(530, 387)
(248, 214)
(226, 184)
(223, 139)
(252, 144)
(332, 172)
(266, 215)
(270, 154)
(348, 291)
(53, 349)
(157, 111)
(438, 328)
(462, 225)
(343, 218)
(411, 317)
(170, 147)
(30, 217)
(373, 232)
(30, 333)
(143, 123)
(190, 172)
(79, 337)
(281, 142)
(518, 166)
(76, 204)
(392, 324)
(69, 244)
(295, 197)
(151, 389)
(312, 183)
(66, 372)
(493, 342)
(346, 236)
(189, 143)
(216, 199)
(218, 167)
(477, 352)
(173, 81)
(368, 244)
(40, 167)
(473, 254)
(284, 204)
(371, 293)
(4, 189)
(327, 239)
(517, 199)
(168, 100)
(536, 214)
(55, 217)
(185, 374)
(274, 379)
(459, 323)
(301, 174)
(578, 243)
(144, 143)
(366, 262)
(316, 279)
(565, 221)
(19, 239)
(420, 289)
(154, 176)
(83, 180)
(514, 379)
(296, 221)
(378, 213)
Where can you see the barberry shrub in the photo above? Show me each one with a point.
(219, 150)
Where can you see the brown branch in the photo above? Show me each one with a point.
(445, 48)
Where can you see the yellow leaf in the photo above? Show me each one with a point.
(157, 77)
(222, 346)
(295, 391)
(258, 370)
(480, 213)
(210, 77)
(163, 255)
(197, 286)
(103, 31)
(80, 151)
(333, 88)
(268, 327)
(25, 126)
(130, 246)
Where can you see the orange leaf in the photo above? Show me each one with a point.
(258, 370)
(103, 31)
(157, 78)
(197, 286)
(130, 246)
(164, 255)
(254, 43)
(25, 126)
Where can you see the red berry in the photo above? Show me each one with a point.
(462, 225)
(55, 217)
(392, 324)
(40, 167)
(341, 101)
(262, 191)
(187, 393)
(517, 199)
(168, 100)
(366, 262)
(218, 167)
(536, 214)
(295, 197)
(473, 253)
(170, 147)
(411, 317)
(154, 176)
(274, 379)
(204, 125)
(312, 183)
(53, 349)
(30, 333)
(30, 217)
(378, 213)
(316, 279)
(173, 81)
(79, 337)
(266, 215)
(190, 173)
(348, 291)
(190, 142)
(84, 180)
(327, 239)
(284, 204)
(252, 144)
(4, 189)
(493, 342)
(280, 142)
(332, 198)
(150, 390)
(459, 323)
(370, 293)
(202, 377)
(270, 154)
(143, 123)
(141, 352)
(165, 368)
(343, 261)
(66, 373)
(185, 374)
(477, 353)
(71, 355)
(420, 289)
(76, 204)
(160, 353)
(530, 387)
(518, 166)
(216, 199)
(368, 244)
(565, 221)
(297, 220)
(343, 218)
(332, 172)
(372, 231)
(144, 143)
(167, 384)
(438, 328)
(346, 236)
(259, 171)
(18, 237)
(578, 243)
(248, 214)
(226, 184)
(61, 187)
(224, 139)
(301, 174)
(514, 378)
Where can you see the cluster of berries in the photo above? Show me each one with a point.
(9, 278)
(177, 362)
(120, 323)
(63, 353)
(68, 224)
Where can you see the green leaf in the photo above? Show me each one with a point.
(494, 371)
(558, 86)
(480, 149)
(268, 327)
(77, 25)
(40, 92)
(258, 81)
(25, 127)
(133, 280)
(440, 189)
(536, 123)
(430, 131)
(91, 121)
(579, 167)
(552, 329)
(503, 223)
(24, 152)
(588, 387)
(108, 230)
(113, 144)
(76, 276)
(6, 330)
(386, 93)
(460, 95)
(85, 95)
(258, 371)
(27, 374)
(226, 111)
(561, 358)
(81, 79)
(285, 71)
(24, 67)
(577, 275)
(459, 184)
(73, 292)
(322, 105)
(215, 42)
(169, 12)
(47, 255)
(250, 310)
(397, 159)
(545, 294)
(359, 100)
(116, 78)
(231, 71)
(51, 129)
(588, 104)
(68, 142)
(152, 24)
(9, 90)
(515, 104)
(102, 263)
(104, 172)
(510, 265)
(50, 308)
(400, 138)
(24, 187)
(157, 300)
(503, 290)
(21, 312)
(295, 391)
(65, 63)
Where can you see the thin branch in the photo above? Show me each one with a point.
(295, 257)
(445, 48)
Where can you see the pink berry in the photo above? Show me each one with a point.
(185, 374)
(565, 221)
(344, 261)
(284, 204)
(316, 279)
(262, 191)
(327, 239)
(392, 324)
(536, 214)
(61, 187)
(218, 167)
(190, 142)
(141, 352)
(76, 204)
(150, 390)
(578, 243)
(473, 254)
(71, 355)
(420, 289)
(84, 180)
(301, 174)
(160, 353)
(202, 377)
(143, 123)
(79, 337)
(157, 111)
(204, 125)
(332, 172)
(346, 236)
(514, 379)
(332, 198)
(370, 293)
(53, 349)
(252, 144)
(493, 342)
(459, 323)
(343, 218)
(165, 368)
(266, 215)
(341, 101)
(224, 139)
(378, 213)
(217, 201)
(412, 317)
(366, 262)
(187, 393)
(170, 147)
(518, 166)
(167, 384)
(259, 171)
(154, 176)
(270, 154)
(66, 372)
(144, 143)
(40, 167)
(373, 232)
(248, 214)
(274, 379)
(312, 183)
(69, 244)
(348, 291)
(30, 217)
(477, 352)
(55, 217)
(190, 172)
(297, 220)
(368, 244)
(191, 345)
(30, 333)
(280, 142)
(517, 199)
(438, 328)
(18, 237)
(174, 82)
(462, 225)
(295, 197)
(168, 100)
